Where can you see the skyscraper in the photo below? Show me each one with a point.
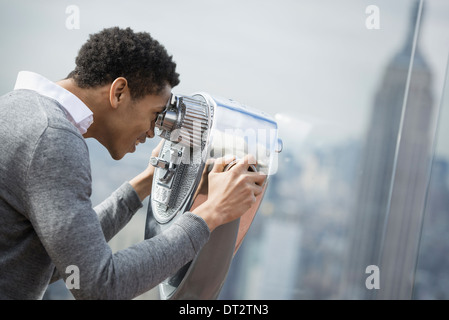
(394, 167)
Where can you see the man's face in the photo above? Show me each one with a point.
(135, 122)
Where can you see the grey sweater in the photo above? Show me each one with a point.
(47, 222)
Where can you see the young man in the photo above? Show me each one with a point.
(121, 82)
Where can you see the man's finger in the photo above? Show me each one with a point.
(257, 189)
(258, 177)
(221, 163)
(244, 163)
(158, 148)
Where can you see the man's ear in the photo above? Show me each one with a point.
(119, 89)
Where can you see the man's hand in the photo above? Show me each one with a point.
(230, 193)
(144, 181)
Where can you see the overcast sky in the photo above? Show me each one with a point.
(311, 60)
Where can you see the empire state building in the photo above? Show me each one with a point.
(394, 166)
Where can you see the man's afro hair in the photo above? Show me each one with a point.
(136, 56)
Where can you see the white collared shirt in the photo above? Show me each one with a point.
(77, 112)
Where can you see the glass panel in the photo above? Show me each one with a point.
(432, 276)
(412, 159)
(355, 206)
(323, 221)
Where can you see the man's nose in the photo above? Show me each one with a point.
(150, 133)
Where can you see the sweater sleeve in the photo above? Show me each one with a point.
(58, 188)
(116, 211)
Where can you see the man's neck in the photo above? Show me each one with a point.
(93, 98)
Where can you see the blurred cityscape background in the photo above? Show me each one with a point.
(363, 114)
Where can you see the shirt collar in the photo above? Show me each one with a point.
(77, 112)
